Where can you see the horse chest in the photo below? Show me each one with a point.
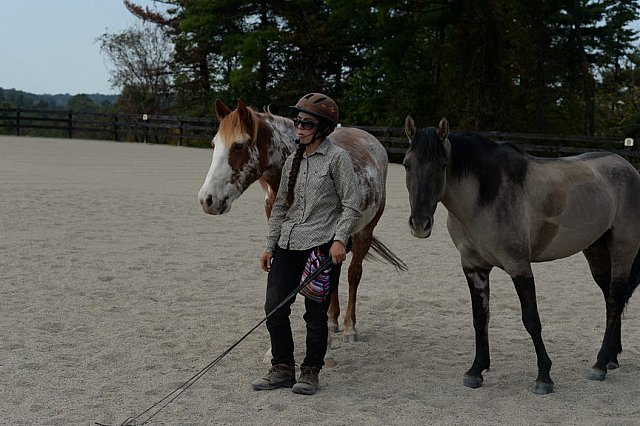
(480, 242)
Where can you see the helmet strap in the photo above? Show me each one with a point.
(313, 139)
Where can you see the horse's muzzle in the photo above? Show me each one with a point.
(421, 228)
(214, 208)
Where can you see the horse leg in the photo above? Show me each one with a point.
(599, 260)
(607, 355)
(616, 297)
(525, 287)
(478, 282)
(334, 312)
(332, 320)
(359, 250)
(360, 244)
(622, 246)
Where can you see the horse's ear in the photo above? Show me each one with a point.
(243, 111)
(221, 110)
(443, 129)
(241, 106)
(409, 127)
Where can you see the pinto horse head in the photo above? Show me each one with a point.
(425, 164)
(238, 160)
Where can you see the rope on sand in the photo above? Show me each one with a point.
(153, 410)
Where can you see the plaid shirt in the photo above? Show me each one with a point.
(326, 204)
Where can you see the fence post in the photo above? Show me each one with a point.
(70, 124)
(115, 127)
(145, 118)
(629, 146)
(180, 130)
(17, 121)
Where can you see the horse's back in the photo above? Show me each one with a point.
(623, 182)
(579, 199)
(364, 149)
(598, 173)
(370, 165)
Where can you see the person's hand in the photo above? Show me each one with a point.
(265, 260)
(338, 252)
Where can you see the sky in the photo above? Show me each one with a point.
(49, 46)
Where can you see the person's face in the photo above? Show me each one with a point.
(306, 126)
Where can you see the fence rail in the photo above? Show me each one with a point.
(192, 131)
(119, 127)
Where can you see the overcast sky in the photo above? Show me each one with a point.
(49, 46)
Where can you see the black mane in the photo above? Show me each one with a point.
(492, 163)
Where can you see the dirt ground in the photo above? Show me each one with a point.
(115, 288)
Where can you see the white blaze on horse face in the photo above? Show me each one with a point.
(217, 192)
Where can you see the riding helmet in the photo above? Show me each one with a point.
(318, 105)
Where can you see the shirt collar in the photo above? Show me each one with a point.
(323, 147)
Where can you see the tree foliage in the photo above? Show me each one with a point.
(141, 67)
(564, 66)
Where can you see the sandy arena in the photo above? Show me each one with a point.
(115, 288)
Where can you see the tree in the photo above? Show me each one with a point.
(82, 103)
(519, 65)
(142, 63)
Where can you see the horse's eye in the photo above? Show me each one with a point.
(238, 146)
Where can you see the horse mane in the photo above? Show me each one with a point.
(492, 163)
(427, 145)
(233, 122)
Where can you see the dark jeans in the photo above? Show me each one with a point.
(286, 269)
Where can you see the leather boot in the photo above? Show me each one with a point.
(308, 382)
(279, 376)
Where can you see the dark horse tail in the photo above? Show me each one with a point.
(634, 277)
(381, 251)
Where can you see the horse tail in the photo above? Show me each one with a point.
(634, 277)
(382, 251)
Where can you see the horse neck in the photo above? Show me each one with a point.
(458, 196)
(461, 190)
(481, 170)
(279, 147)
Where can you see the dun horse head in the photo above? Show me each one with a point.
(237, 158)
(425, 165)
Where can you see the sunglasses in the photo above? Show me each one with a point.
(306, 125)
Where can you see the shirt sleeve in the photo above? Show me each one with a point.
(348, 191)
(279, 210)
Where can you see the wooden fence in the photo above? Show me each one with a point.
(192, 131)
(118, 127)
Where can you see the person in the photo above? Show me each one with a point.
(315, 211)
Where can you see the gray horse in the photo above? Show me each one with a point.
(508, 209)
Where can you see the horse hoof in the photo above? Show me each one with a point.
(543, 388)
(330, 362)
(350, 338)
(333, 328)
(267, 357)
(473, 382)
(597, 374)
(612, 365)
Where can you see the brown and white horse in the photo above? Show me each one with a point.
(252, 146)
